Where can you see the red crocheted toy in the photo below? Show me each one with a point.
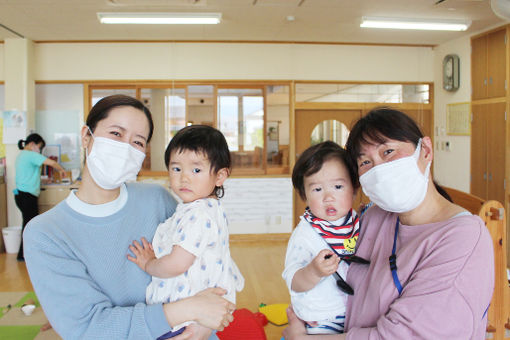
(246, 326)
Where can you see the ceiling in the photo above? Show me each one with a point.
(259, 20)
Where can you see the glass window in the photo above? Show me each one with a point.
(228, 120)
(241, 120)
(277, 129)
(98, 93)
(363, 93)
(254, 119)
(59, 118)
(330, 130)
(201, 105)
(168, 114)
(175, 115)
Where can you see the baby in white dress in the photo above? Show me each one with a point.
(190, 250)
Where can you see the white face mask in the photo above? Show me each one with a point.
(112, 163)
(398, 186)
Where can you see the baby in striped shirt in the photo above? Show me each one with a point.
(323, 244)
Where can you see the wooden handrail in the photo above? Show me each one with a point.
(493, 214)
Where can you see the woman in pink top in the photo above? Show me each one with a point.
(431, 272)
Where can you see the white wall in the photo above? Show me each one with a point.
(59, 97)
(2, 96)
(2, 63)
(74, 61)
(452, 168)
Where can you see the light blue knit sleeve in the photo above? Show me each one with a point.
(75, 306)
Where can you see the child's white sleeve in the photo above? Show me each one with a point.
(299, 254)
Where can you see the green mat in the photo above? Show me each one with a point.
(19, 332)
(21, 328)
(30, 295)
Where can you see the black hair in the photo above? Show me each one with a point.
(33, 137)
(379, 125)
(312, 159)
(103, 107)
(202, 139)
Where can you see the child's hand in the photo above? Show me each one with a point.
(325, 263)
(144, 253)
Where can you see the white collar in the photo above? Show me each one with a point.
(98, 210)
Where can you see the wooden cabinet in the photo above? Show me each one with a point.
(488, 138)
(488, 65)
(51, 195)
(490, 131)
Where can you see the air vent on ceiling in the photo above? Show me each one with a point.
(278, 2)
(161, 3)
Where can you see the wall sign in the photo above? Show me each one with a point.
(458, 122)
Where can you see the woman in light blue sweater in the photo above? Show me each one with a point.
(75, 252)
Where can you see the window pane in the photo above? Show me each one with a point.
(228, 121)
(201, 104)
(175, 117)
(97, 94)
(332, 130)
(161, 103)
(253, 117)
(363, 93)
(278, 129)
(241, 120)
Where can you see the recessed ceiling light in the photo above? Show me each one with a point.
(415, 24)
(159, 18)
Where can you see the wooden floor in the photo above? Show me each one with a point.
(260, 262)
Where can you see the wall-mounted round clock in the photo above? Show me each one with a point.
(451, 72)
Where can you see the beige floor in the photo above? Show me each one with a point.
(261, 263)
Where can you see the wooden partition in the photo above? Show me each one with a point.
(493, 214)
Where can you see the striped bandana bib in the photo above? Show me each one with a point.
(340, 238)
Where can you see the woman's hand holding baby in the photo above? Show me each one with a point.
(208, 308)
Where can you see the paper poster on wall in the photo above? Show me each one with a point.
(69, 150)
(52, 151)
(61, 127)
(457, 119)
(14, 126)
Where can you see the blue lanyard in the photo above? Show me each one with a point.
(393, 260)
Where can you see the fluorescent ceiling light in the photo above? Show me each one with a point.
(415, 24)
(159, 18)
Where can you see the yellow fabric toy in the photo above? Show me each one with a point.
(275, 313)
